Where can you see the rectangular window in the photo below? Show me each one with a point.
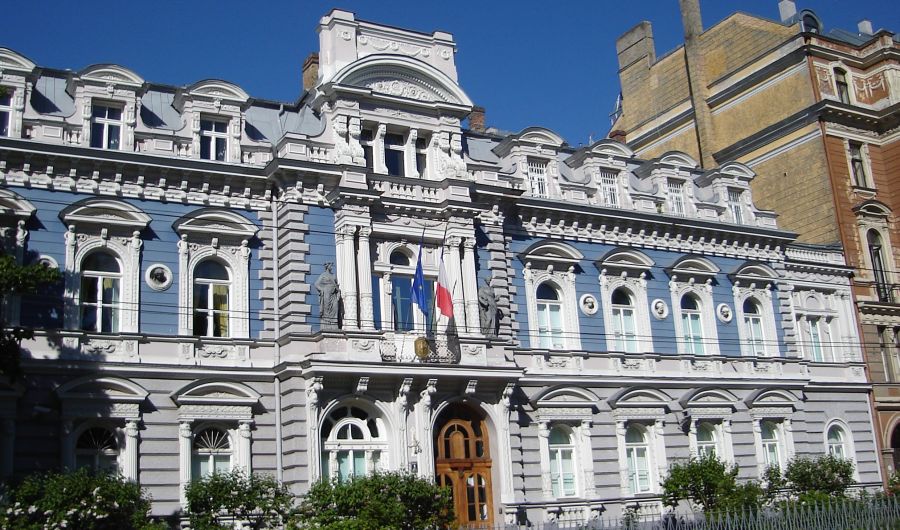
(214, 140)
(106, 126)
(755, 330)
(638, 470)
(562, 472)
(394, 154)
(537, 177)
(735, 206)
(366, 140)
(421, 155)
(550, 327)
(5, 112)
(818, 334)
(675, 196)
(402, 303)
(623, 329)
(609, 188)
(858, 166)
(843, 89)
(693, 333)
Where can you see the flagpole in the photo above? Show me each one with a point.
(434, 294)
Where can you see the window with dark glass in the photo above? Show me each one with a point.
(106, 126)
(843, 88)
(860, 177)
(421, 155)
(876, 253)
(214, 140)
(366, 139)
(97, 450)
(402, 304)
(394, 154)
(212, 285)
(101, 278)
(5, 110)
(211, 453)
(810, 24)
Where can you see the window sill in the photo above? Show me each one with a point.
(867, 193)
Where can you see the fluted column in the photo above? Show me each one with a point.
(185, 438)
(130, 464)
(347, 274)
(451, 258)
(244, 445)
(364, 270)
(470, 286)
(544, 445)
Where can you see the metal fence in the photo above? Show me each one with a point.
(868, 514)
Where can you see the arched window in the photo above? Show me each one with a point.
(837, 442)
(843, 88)
(212, 290)
(211, 453)
(706, 440)
(638, 458)
(817, 344)
(354, 444)
(876, 254)
(623, 325)
(771, 444)
(549, 314)
(562, 462)
(753, 324)
(101, 279)
(97, 450)
(692, 325)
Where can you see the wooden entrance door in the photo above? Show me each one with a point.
(463, 464)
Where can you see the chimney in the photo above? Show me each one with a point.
(635, 44)
(787, 9)
(617, 135)
(311, 71)
(697, 80)
(476, 119)
(865, 27)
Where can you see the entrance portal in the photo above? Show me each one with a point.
(463, 464)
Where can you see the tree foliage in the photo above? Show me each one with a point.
(710, 485)
(260, 501)
(76, 501)
(824, 477)
(383, 501)
(19, 280)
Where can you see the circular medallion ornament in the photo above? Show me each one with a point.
(589, 304)
(724, 313)
(421, 347)
(659, 308)
(159, 277)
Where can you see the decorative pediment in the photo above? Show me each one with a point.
(541, 136)
(105, 212)
(402, 77)
(873, 208)
(693, 267)
(769, 398)
(14, 61)
(566, 397)
(709, 398)
(640, 397)
(99, 396)
(14, 205)
(678, 159)
(625, 260)
(754, 273)
(737, 171)
(111, 73)
(218, 89)
(216, 392)
(552, 252)
(215, 222)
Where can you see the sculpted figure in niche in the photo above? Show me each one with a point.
(487, 309)
(329, 298)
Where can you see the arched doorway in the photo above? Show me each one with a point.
(895, 446)
(463, 464)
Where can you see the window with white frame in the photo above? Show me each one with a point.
(624, 329)
(707, 440)
(395, 154)
(735, 206)
(537, 177)
(214, 139)
(879, 272)
(675, 196)
(354, 444)
(709, 433)
(550, 327)
(637, 455)
(211, 452)
(692, 325)
(609, 188)
(6, 111)
(858, 165)
(773, 450)
(836, 439)
(106, 126)
(212, 288)
(405, 314)
(97, 450)
(842, 86)
(101, 277)
(753, 324)
(817, 342)
(562, 461)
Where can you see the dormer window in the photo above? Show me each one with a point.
(421, 155)
(843, 88)
(609, 189)
(5, 111)
(735, 207)
(106, 126)
(214, 140)
(675, 196)
(537, 177)
(394, 154)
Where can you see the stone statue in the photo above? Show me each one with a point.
(487, 309)
(329, 298)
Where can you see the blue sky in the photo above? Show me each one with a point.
(543, 63)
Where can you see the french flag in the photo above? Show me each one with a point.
(443, 300)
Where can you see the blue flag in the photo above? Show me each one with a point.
(418, 287)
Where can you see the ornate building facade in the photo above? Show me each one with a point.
(238, 293)
(814, 111)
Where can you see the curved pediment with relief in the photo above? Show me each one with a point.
(402, 77)
(111, 73)
(215, 222)
(101, 388)
(105, 212)
(218, 89)
(14, 205)
(11, 60)
(640, 397)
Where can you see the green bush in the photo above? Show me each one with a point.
(76, 501)
(258, 500)
(710, 485)
(893, 487)
(822, 478)
(384, 501)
